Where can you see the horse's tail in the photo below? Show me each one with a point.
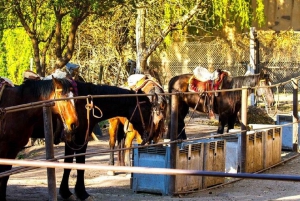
(120, 133)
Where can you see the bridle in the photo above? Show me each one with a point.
(138, 106)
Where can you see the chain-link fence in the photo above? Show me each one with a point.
(184, 57)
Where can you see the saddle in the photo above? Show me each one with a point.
(3, 83)
(203, 80)
(140, 81)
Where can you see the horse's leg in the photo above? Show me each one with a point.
(222, 122)
(231, 120)
(9, 152)
(121, 152)
(112, 144)
(183, 110)
(128, 142)
(80, 187)
(64, 190)
(112, 130)
(121, 142)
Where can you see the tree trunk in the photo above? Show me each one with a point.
(141, 60)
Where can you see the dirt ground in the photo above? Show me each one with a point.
(32, 185)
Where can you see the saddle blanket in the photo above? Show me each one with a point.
(203, 75)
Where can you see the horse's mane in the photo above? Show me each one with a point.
(247, 81)
(43, 88)
(87, 88)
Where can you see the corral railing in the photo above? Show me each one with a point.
(173, 142)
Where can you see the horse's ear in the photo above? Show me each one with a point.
(55, 82)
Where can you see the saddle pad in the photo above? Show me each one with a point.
(4, 80)
(202, 74)
(135, 80)
(28, 74)
(57, 74)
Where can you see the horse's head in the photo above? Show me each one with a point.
(264, 90)
(140, 116)
(159, 107)
(159, 110)
(62, 88)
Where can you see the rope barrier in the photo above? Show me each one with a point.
(147, 170)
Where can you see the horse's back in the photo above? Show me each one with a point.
(179, 83)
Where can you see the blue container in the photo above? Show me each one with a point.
(287, 131)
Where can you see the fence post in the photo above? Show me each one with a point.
(243, 127)
(252, 64)
(173, 136)
(295, 115)
(48, 130)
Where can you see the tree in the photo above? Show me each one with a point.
(45, 21)
(208, 15)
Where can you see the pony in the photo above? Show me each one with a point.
(225, 103)
(121, 130)
(13, 138)
(137, 109)
(228, 103)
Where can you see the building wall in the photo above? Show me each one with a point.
(282, 15)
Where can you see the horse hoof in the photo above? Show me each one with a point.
(90, 198)
(71, 198)
(111, 173)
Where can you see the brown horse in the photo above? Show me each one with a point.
(93, 110)
(122, 131)
(16, 127)
(226, 104)
(201, 102)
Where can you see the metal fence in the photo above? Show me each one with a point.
(280, 63)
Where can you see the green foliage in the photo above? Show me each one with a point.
(16, 54)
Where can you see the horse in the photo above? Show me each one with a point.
(14, 137)
(121, 130)
(93, 110)
(201, 102)
(221, 103)
(228, 103)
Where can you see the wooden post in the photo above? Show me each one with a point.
(48, 130)
(243, 127)
(295, 115)
(252, 64)
(173, 136)
(140, 38)
(100, 74)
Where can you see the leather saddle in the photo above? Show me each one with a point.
(196, 85)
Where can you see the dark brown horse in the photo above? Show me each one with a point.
(16, 127)
(135, 108)
(201, 102)
(226, 104)
(121, 130)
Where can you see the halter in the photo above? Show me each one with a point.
(263, 95)
(89, 106)
(59, 109)
(142, 119)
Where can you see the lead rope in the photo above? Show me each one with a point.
(89, 106)
(192, 113)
